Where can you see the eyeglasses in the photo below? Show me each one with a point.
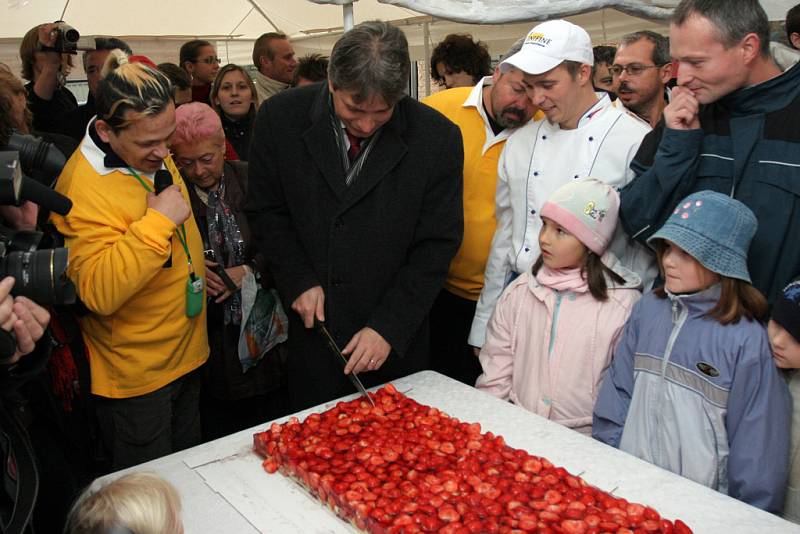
(210, 60)
(634, 69)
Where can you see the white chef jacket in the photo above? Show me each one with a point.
(539, 158)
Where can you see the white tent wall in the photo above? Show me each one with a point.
(312, 27)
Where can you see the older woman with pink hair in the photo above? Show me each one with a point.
(238, 392)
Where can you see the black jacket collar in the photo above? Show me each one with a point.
(111, 159)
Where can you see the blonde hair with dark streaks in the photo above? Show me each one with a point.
(130, 87)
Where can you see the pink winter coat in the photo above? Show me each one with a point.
(548, 350)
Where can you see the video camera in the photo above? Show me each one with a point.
(40, 274)
(68, 40)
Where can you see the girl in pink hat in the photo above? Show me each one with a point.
(553, 331)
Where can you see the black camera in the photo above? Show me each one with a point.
(219, 270)
(40, 274)
(67, 38)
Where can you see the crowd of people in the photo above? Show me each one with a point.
(599, 235)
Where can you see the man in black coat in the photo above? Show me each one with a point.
(356, 202)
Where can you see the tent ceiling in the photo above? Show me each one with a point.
(313, 27)
(489, 12)
(243, 18)
(186, 17)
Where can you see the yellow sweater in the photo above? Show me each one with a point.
(465, 277)
(138, 336)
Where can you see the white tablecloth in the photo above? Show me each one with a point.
(224, 488)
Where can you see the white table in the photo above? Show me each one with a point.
(224, 488)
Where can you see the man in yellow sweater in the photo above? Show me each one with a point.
(486, 114)
(136, 259)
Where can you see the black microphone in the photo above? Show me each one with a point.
(161, 181)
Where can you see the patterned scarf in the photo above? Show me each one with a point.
(226, 241)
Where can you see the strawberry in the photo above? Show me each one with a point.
(448, 514)
(572, 526)
(270, 465)
(552, 497)
(417, 469)
(681, 527)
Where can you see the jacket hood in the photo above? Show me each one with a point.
(632, 280)
(771, 95)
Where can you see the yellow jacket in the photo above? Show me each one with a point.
(464, 106)
(138, 336)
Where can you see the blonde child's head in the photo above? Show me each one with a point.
(704, 242)
(784, 327)
(139, 503)
(578, 222)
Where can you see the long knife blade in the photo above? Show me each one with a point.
(322, 329)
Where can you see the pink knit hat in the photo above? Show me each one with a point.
(587, 209)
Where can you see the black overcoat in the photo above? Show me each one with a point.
(379, 248)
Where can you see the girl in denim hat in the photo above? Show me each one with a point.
(552, 333)
(692, 387)
(784, 336)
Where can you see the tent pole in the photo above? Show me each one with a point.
(347, 10)
(263, 14)
(426, 38)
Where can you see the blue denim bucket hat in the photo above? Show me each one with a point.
(714, 229)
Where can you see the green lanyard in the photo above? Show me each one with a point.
(181, 231)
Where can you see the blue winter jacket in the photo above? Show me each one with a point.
(701, 399)
(748, 147)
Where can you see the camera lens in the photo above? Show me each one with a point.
(40, 275)
(71, 35)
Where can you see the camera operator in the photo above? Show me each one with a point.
(46, 71)
(20, 484)
(18, 117)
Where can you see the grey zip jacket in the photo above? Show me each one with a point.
(701, 399)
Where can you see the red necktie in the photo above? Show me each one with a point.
(355, 146)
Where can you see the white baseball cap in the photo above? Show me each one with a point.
(548, 45)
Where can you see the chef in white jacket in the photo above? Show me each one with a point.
(582, 135)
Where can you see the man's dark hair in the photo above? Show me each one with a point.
(371, 59)
(179, 78)
(660, 44)
(604, 54)
(459, 52)
(190, 50)
(110, 43)
(107, 43)
(311, 67)
(733, 20)
(261, 47)
(792, 23)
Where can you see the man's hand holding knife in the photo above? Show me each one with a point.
(367, 350)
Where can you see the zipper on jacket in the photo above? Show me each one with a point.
(678, 318)
(679, 315)
(554, 324)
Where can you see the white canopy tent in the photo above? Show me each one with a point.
(158, 27)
